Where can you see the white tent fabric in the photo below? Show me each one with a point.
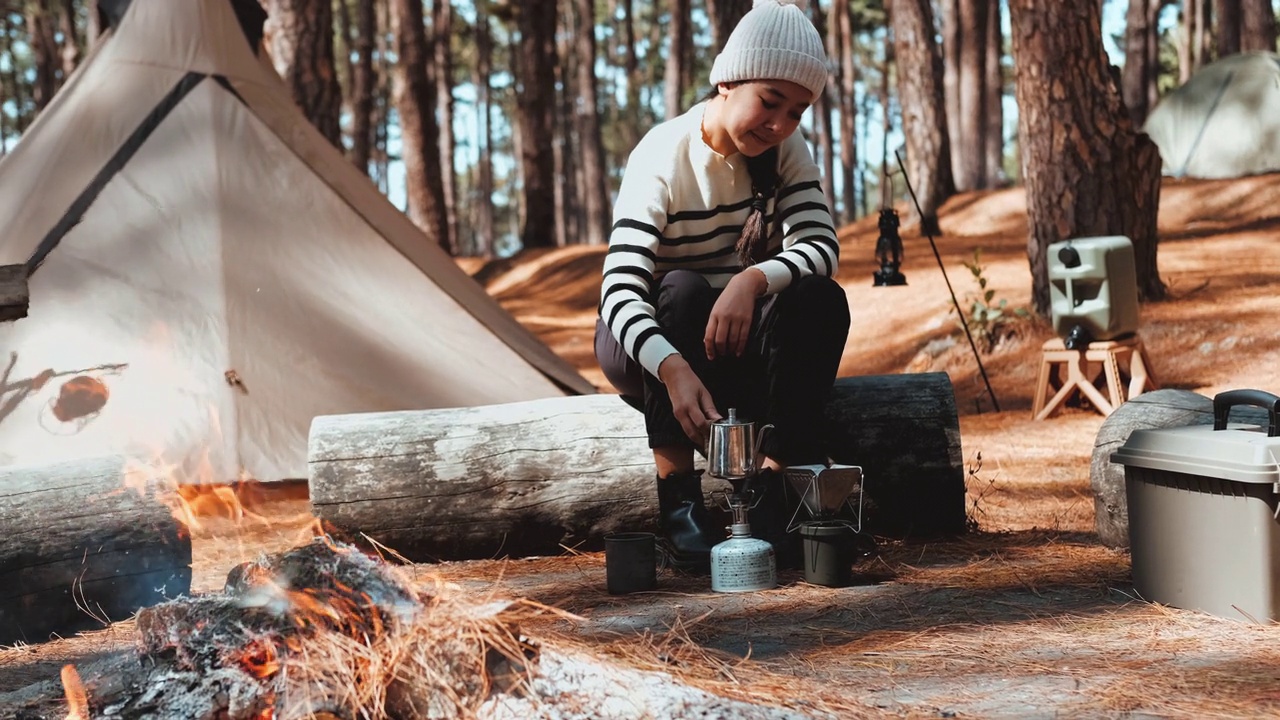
(222, 275)
(1222, 123)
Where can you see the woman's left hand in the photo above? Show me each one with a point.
(729, 326)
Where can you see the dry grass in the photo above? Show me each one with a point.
(457, 651)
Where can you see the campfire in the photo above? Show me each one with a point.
(319, 631)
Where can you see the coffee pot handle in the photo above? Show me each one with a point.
(759, 454)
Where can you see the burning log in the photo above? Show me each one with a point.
(79, 549)
(318, 631)
(14, 294)
(525, 478)
(1167, 408)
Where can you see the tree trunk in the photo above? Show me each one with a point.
(994, 89)
(1139, 74)
(567, 190)
(678, 58)
(824, 139)
(363, 84)
(535, 103)
(21, 116)
(94, 29)
(525, 478)
(442, 25)
(345, 54)
(1166, 408)
(382, 93)
(631, 65)
(70, 39)
(1226, 20)
(419, 135)
(1257, 26)
(920, 93)
(44, 52)
(4, 123)
(952, 41)
(823, 132)
(1087, 171)
(725, 15)
(887, 195)
(849, 162)
(482, 206)
(595, 190)
(1191, 49)
(83, 544)
(301, 33)
(971, 174)
(863, 191)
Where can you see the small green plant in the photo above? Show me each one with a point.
(989, 320)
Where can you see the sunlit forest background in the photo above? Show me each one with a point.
(506, 125)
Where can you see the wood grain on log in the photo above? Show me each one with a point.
(527, 478)
(75, 540)
(1166, 408)
(14, 293)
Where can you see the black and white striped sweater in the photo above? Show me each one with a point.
(682, 205)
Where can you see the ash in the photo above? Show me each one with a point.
(579, 687)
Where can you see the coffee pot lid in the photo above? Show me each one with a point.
(732, 419)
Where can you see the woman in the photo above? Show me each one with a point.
(717, 288)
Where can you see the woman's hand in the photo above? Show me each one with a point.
(691, 403)
(729, 326)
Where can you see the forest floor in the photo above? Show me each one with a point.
(1029, 616)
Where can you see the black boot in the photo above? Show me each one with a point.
(771, 516)
(682, 518)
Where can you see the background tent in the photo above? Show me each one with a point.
(1224, 122)
(210, 274)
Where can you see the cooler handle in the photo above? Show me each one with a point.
(1224, 401)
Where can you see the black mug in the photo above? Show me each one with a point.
(630, 562)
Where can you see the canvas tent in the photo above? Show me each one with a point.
(1222, 123)
(210, 274)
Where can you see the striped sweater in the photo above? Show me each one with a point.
(682, 206)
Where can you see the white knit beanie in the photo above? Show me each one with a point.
(774, 41)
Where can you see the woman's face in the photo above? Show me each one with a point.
(759, 114)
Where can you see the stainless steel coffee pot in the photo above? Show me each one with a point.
(733, 448)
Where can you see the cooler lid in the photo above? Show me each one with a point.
(1229, 451)
(1240, 452)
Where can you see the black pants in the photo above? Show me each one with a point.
(784, 377)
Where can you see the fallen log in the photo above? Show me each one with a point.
(1167, 408)
(14, 294)
(526, 478)
(78, 548)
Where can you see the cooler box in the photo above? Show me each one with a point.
(1203, 531)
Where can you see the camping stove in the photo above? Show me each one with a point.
(742, 563)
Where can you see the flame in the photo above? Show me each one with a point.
(339, 609)
(77, 697)
(260, 658)
(195, 491)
